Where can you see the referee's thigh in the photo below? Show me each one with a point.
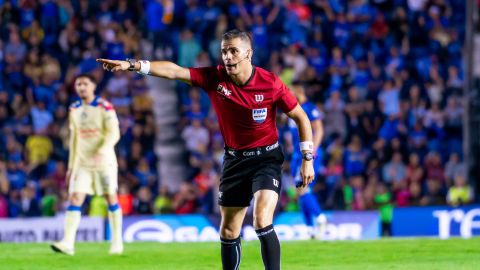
(265, 202)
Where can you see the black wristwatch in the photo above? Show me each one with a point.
(308, 156)
(132, 64)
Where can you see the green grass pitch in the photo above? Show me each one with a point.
(382, 254)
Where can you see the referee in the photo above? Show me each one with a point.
(245, 98)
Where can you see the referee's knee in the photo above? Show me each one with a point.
(228, 233)
(260, 222)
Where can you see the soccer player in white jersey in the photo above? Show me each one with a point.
(92, 164)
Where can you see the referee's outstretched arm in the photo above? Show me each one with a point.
(163, 69)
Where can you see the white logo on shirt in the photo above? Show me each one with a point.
(259, 115)
(258, 98)
(223, 91)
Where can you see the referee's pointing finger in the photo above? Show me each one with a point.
(106, 61)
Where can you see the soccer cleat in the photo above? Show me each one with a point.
(116, 250)
(59, 247)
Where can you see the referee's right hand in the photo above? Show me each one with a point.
(114, 65)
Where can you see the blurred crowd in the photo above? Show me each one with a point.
(387, 75)
(43, 46)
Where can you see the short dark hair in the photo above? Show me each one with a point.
(88, 76)
(235, 33)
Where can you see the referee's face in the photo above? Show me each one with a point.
(84, 87)
(236, 55)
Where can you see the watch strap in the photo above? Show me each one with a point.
(132, 64)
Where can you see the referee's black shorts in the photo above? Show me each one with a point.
(245, 172)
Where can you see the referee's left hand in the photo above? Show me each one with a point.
(307, 173)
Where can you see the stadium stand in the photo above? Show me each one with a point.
(386, 74)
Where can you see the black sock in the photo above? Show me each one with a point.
(270, 247)
(231, 253)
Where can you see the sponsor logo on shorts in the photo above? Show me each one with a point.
(259, 115)
(275, 182)
(249, 153)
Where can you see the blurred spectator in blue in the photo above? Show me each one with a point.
(335, 121)
(146, 177)
(30, 206)
(142, 204)
(159, 15)
(355, 157)
(394, 171)
(16, 174)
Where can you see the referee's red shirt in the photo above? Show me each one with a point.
(246, 114)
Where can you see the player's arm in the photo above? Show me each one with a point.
(305, 133)
(72, 146)
(111, 131)
(317, 127)
(162, 69)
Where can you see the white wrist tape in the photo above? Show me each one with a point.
(144, 67)
(307, 145)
